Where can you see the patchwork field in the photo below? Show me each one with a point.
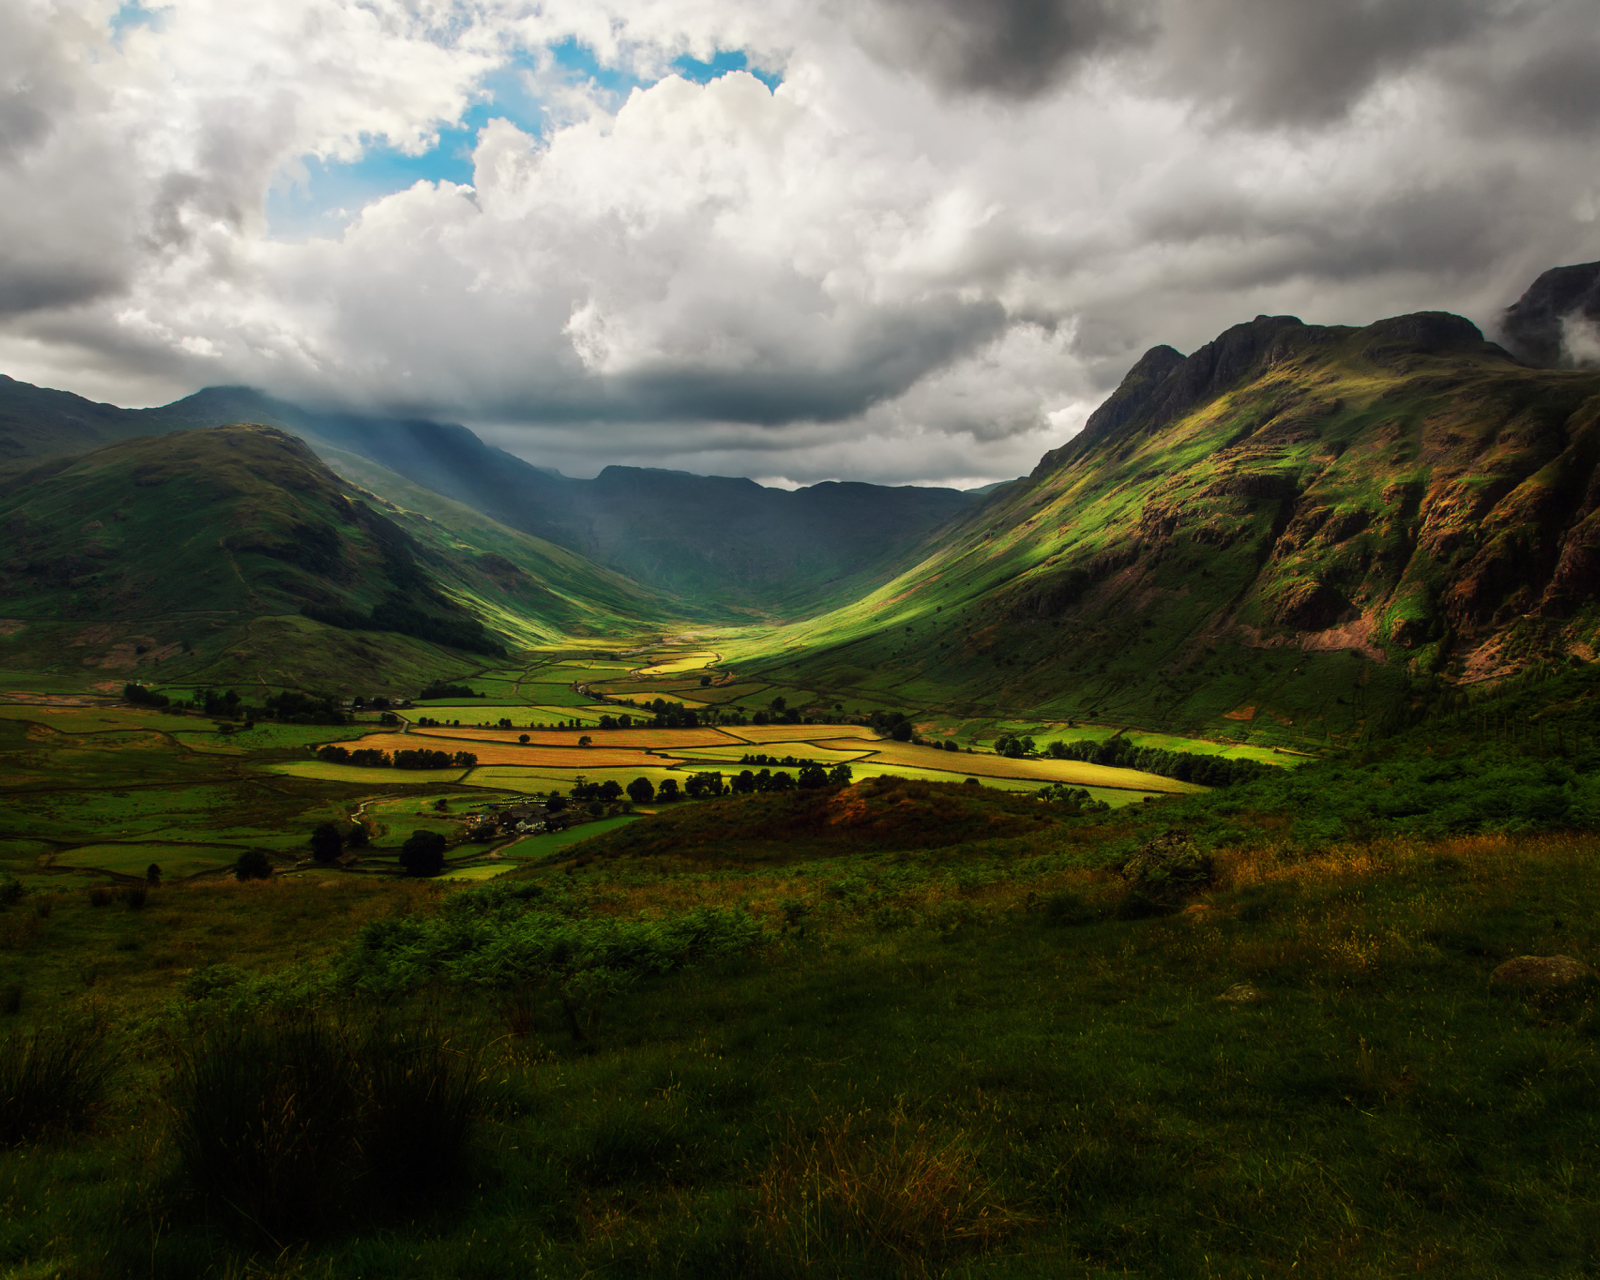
(649, 739)
(1078, 774)
(573, 756)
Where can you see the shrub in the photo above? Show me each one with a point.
(423, 853)
(283, 1126)
(253, 864)
(423, 1097)
(264, 1124)
(326, 842)
(134, 895)
(52, 1081)
(99, 896)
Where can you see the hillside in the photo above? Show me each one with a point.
(235, 554)
(728, 546)
(1273, 537)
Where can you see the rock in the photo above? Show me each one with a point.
(1543, 973)
(1241, 993)
(1168, 868)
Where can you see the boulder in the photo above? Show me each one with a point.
(1170, 867)
(1543, 973)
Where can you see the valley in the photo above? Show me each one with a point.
(416, 864)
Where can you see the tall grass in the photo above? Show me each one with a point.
(52, 1081)
(856, 1199)
(287, 1127)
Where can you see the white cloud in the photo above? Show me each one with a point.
(925, 255)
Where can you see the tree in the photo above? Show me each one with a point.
(326, 842)
(668, 791)
(253, 864)
(813, 776)
(152, 875)
(359, 837)
(523, 739)
(611, 789)
(901, 732)
(423, 853)
(585, 740)
(641, 791)
(839, 775)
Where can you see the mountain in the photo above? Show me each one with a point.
(1556, 323)
(1286, 533)
(234, 553)
(728, 547)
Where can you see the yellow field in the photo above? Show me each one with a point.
(603, 738)
(683, 662)
(573, 757)
(767, 734)
(725, 756)
(509, 778)
(357, 773)
(1075, 772)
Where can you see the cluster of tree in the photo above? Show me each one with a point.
(787, 762)
(1014, 748)
(369, 704)
(1075, 797)
(399, 615)
(439, 689)
(778, 712)
(699, 786)
(423, 853)
(893, 724)
(428, 722)
(291, 707)
(328, 840)
(811, 776)
(372, 758)
(1185, 766)
(140, 696)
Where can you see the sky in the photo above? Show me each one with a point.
(902, 241)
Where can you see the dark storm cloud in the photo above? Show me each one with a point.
(883, 361)
(1265, 63)
(1010, 48)
(1260, 63)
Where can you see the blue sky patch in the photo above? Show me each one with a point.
(332, 193)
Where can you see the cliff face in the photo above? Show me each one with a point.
(1556, 323)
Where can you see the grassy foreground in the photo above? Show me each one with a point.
(953, 1046)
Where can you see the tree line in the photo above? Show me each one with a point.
(372, 758)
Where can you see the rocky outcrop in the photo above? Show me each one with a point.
(1555, 323)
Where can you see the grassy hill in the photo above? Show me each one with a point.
(235, 554)
(730, 548)
(1276, 536)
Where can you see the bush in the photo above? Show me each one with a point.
(253, 864)
(51, 1081)
(423, 853)
(283, 1127)
(326, 842)
(265, 1124)
(423, 1097)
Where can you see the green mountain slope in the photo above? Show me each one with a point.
(235, 554)
(729, 547)
(1277, 535)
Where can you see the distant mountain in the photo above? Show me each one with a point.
(234, 554)
(1287, 528)
(1556, 323)
(727, 547)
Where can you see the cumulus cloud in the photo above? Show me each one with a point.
(924, 255)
